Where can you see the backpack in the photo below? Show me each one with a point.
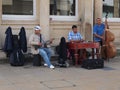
(17, 58)
(61, 50)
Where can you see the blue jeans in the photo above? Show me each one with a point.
(46, 55)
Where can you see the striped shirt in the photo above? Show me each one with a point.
(74, 36)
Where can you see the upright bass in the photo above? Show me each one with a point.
(108, 50)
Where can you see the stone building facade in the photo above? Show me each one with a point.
(54, 16)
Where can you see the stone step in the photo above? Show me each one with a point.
(4, 60)
(28, 58)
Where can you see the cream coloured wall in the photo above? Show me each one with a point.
(88, 20)
(115, 29)
(15, 30)
(44, 17)
(0, 12)
(85, 11)
(114, 26)
(61, 29)
(97, 8)
(17, 24)
(57, 29)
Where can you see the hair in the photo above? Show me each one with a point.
(74, 26)
(98, 18)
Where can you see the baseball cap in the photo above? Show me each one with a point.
(37, 28)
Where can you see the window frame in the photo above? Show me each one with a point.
(21, 17)
(111, 19)
(66, 18)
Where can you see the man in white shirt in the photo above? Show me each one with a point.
(38, 44)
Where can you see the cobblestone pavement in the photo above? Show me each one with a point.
(72, 78)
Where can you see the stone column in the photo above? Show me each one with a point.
(0, 12)
(98, 4)
(116, 8)
(44, 18)
(81, 9)
(88, 20)
(89, 11)
(81, 12)
(1, 30)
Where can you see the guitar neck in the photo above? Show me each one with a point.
(49, 41)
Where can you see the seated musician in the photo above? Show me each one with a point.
(74, 37)
(38, 46)
(98, 32)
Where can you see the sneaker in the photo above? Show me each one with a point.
(52, 67)
(45, 65)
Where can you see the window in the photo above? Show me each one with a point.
(18, 9)
(112, 7)
(64, 9)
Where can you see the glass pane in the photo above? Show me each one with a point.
(17, 7)
(62, 7)
(112, 7)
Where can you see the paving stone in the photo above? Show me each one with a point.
(30, 86)
(57, 84)
(73, 78)
(9, 87)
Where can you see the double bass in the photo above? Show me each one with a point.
(108, 50)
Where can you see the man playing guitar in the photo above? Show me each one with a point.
(38, 46)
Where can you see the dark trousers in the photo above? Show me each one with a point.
(101, 43)
(81, 55)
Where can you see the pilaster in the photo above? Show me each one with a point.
(98, 8)
(44, 18)
(0, 12)
(88, 19)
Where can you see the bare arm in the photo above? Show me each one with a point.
(77, 40)
(98, 36)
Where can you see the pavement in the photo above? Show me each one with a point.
(29, 77)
